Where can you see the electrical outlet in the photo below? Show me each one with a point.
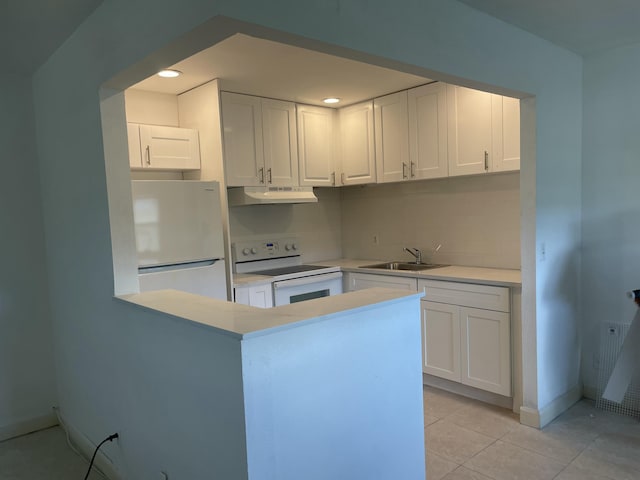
(376, 239)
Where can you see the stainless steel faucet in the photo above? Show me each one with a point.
(415, 252)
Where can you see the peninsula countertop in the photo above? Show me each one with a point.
(243, 321)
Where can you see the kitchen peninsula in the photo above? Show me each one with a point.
(327, 388)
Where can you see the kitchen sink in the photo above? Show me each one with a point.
(410, 266)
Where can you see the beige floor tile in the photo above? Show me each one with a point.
(573, 472)
(486, 419)
(504, 461)
(454, 442)
(612, 455)
(438, 403)
(429, 419)
(438, 467)
(585, 415)
(561, 442)
(463, 473)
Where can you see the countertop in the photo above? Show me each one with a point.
(486, 276)
(242, 321)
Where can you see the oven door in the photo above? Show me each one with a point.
(306, 288)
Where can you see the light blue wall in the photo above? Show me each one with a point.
(611, 194)
(436, 35)
(340, 399)
(27, 376)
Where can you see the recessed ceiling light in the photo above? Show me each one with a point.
(168, 73)
(331, 100)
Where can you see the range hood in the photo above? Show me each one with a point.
(269, 195)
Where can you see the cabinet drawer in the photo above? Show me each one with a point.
(466, 294)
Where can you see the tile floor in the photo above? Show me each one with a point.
(465, 440)
(469, 440)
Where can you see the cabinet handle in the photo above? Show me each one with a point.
(404, 170)
(269, 175)
(148, 154)
(412, 171)
(333, 178)
(261, 173)
(486, 160)
(342, 178)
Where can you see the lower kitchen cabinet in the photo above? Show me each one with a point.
(466, 334)
(441, 340)
(360, 281)
(255, 296)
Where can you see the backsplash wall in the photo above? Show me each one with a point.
(476, 219)
(318, 225)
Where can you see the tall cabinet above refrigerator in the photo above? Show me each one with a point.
(179, 240)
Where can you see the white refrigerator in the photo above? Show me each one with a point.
(178, 226)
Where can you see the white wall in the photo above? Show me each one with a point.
(611, 196)
(317, 225)
(433, 35)
(476, 219)
(151, 108)
(27, 376)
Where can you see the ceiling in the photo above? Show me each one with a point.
(31, 30)
(265, 68)
(582, 26)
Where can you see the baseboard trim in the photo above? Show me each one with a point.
(86, 447)
(29, 425)
(590, 392)
(466, 391)
(540, 418)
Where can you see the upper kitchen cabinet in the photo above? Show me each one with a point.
(392, 137)
(155, 147)
(357, 144)
(315, 146)
(506, 133)
(259, 141)
(470, 135)
(483, 130)
(427, 107)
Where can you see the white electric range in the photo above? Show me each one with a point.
(281, 259)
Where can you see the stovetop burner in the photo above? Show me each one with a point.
(274, 272)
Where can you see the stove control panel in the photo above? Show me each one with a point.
(279, 247)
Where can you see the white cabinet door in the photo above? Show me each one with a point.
(486, 358)
(506, 134)
(169, 148)
(441, 340)
(135, 153)
(242, 137)
(428, 131)
(315, 146)
(256, 296)
(360, 281)
(469, 130)
(357, 144)
(280, 143)
(392, 137)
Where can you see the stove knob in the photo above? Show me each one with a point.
(245, 251)
(287, 247)
(254, 250)
(294, 246)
